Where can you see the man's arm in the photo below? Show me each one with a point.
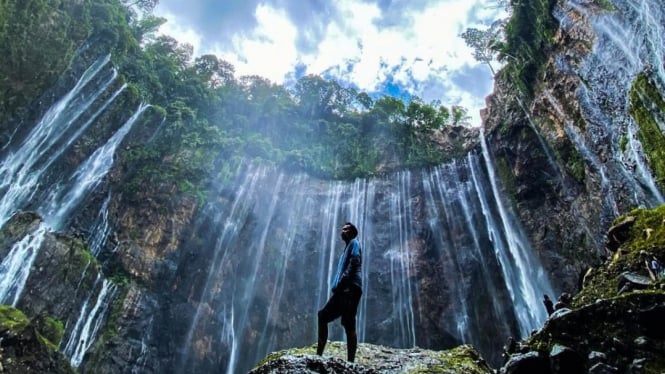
(352, 265)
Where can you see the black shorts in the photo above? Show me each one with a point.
(343, 303)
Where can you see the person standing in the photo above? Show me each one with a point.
(549, 305)
(346, 289)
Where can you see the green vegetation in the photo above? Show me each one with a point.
(529, 34)
(602, 283)
(602, 316)
(204, 120)
(648, 108)
(522, 42)
(49, 331)
(576, 165)
(12, 319)
(606, 5)
(461, 359)
(507, 177)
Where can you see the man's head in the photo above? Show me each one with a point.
(349, 231)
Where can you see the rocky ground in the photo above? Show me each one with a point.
(374, 359)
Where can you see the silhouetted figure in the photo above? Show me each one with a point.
(549, 305)
(563, 302)
(346, 291)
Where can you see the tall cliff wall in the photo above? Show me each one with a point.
(571, 155)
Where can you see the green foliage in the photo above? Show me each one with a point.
(485, 42)
(576, 165)
(603, 282)
(606, 4)
(50, 331)
(647, 107)
(507, 178)
(528, 38)
(203, 118)
(12, 319)
(623, 143)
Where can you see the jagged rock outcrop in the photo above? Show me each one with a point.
(374, 359)
(608, 328)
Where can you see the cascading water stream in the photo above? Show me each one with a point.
(401, 267)
(15, 267)
(277, 239)
(524, 276)
(247, 292)
(25, 170)
(22, 169)
(591, 158)
(101, 229)
(64, 198)
(629, 42)
(89, 323)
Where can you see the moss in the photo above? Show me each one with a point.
(331, 349)
(576, 165)
(606, 5)
(461, 359)
(646, 104)
(507, 178)
(12, 319)
(48, 330)
(647, 219)
(602, 283)
(529, 37)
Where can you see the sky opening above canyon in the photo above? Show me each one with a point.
(402, 48)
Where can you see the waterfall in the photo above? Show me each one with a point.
(101, 229)
(629, 41)
(143, 356)
(442, 256)
(64, 198)
(25, 169)
(16, 266)
(85, 332)
(401, 267)
(22, 168)
(523, 274)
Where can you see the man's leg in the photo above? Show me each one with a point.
(328, 313)
(351, 344)
(323, 335)
(349, 322)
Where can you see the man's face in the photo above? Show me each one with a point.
(346, 232)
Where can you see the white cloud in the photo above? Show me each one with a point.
(181, 33)
(421, 53)
(269, 50)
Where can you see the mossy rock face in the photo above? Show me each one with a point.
(374, 359)
(25, 349)
(12, 320)
(647, 107)
(609, 324)
(636, 237)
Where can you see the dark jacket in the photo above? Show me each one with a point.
(348, 267)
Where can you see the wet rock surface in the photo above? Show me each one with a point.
(374, 359)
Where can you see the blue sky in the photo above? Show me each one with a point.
(407, 47)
